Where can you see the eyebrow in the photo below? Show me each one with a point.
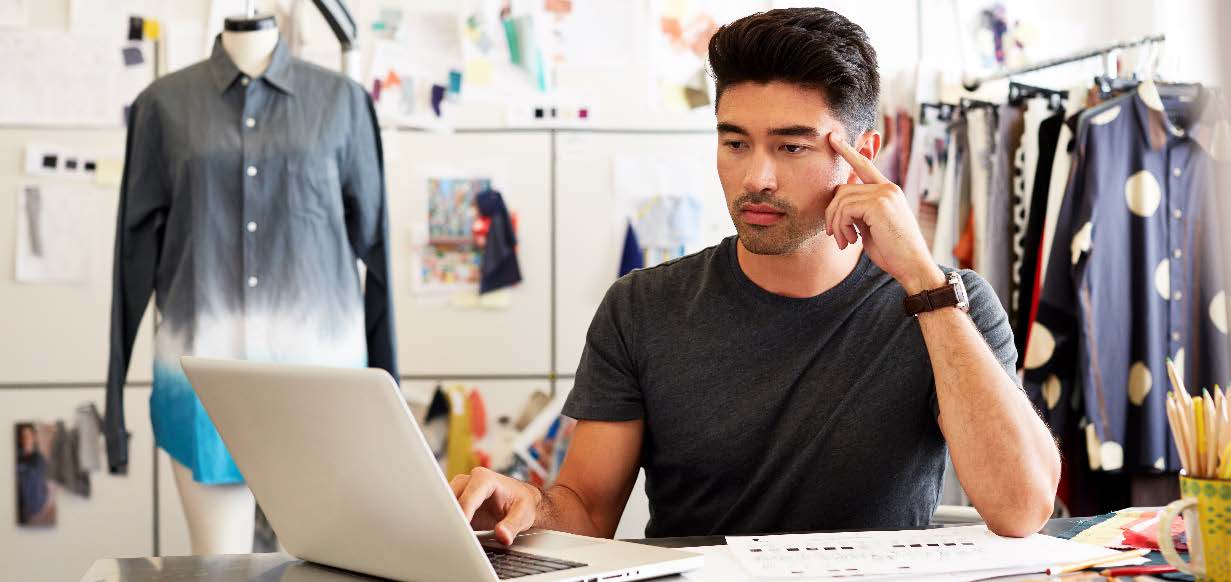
(796, 130)
(790, 130)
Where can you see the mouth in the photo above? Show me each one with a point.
(760, 214)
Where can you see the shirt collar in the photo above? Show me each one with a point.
(1204, 127)
(278, 74)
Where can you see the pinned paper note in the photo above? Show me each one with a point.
(478, 72)
(132, 56)
(51, 227)
(109, 172)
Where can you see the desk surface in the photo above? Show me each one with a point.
(286, 568)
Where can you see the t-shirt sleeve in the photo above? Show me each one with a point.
(606, 386)
(992, 321)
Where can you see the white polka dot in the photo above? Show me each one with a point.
(1148, 92)
(1082, 241)
(1218, 311)
(1093, 450)
(1142, 193)
(1160, 464)
(1106, 116)
(1042, 345)
(1051, 391)
(1112, 456)
(1140, 380)
(1162, 279)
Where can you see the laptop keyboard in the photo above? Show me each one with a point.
(509, 564)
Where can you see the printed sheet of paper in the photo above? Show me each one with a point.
(51, 234)
(58, 78)
(912, 554)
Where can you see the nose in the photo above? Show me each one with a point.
(760, 176)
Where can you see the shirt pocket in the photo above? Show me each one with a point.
(314, 191)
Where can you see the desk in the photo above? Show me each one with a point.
(287, 568)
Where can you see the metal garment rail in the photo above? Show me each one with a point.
(973, 84)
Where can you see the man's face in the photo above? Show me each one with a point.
(777, 168)
(26, 439)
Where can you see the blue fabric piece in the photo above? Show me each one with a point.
(499, 268)
(631, 258)
(184, 430)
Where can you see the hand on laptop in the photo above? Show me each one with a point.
(492, 501)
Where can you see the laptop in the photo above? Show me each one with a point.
(342, 471)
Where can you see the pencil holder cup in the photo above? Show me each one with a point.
(1206, 505)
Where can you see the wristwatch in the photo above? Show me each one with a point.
(953, 294)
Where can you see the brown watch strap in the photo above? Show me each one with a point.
(931, 300)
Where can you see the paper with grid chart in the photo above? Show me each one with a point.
(909, 553)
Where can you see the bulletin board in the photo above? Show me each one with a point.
(594, 213)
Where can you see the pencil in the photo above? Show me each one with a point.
(1177, 433)
(1096, 562)
(1212, 434)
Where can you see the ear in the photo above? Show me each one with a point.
(869, 144)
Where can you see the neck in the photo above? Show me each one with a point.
(251, 51)
(816, 267)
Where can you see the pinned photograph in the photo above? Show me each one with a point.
(36, 494)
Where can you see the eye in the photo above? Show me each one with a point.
(794, 149)
(734, 144)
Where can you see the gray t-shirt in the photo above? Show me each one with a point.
(770, 414)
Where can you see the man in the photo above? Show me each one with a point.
(775, 382)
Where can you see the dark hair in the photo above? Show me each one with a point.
(813, 47)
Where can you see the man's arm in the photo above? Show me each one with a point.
(1003, 453)
(588, 497)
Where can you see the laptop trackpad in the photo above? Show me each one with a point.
(547, 541)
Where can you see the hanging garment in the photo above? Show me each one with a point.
(1027, 268)
(499, 267)
(949, 216)
(243, 208)
(65, 468)
(922, 184)
(989, 198)
(1005, 194)
(906, 133)
(630, 255)
(1061, 175)
(1134, 277)
(887, 159)
(460, 457)
(89, 425)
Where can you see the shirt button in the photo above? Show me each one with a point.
(1177, 253)
(1177, 214)
(252, 281)
(251, 227)
(250, 122)
(1175, 336)
(1177, 296)
(244, 80)
(251, 170)
(1176, 171)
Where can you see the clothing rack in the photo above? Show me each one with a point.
(974, 84)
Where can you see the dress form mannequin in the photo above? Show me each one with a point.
(250, 43)
(221, 517)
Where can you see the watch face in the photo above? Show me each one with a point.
(959, 290)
